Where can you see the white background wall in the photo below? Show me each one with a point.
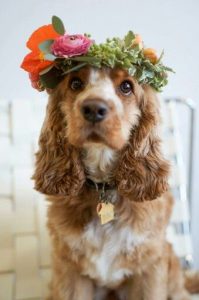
(172, 25)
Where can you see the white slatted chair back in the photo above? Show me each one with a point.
(178, 232)
(27, 239)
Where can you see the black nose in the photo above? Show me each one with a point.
(94, 110)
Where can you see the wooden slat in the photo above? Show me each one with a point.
(23, 186)
(167, 117)
(24, 201)
(44, 240)
(39, 111)
(4, 124)
(182, 245)
(21, 114)
(5, 152)
(6, 286)
(5, 182)
(46, 277)
(180, 212)
(24, 220)
(176, 176)
(169, 146)
(6, 236)
(28, 280)
(15, 154)
(4, 121)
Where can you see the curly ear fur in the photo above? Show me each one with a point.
(59, 170)
(142, 172)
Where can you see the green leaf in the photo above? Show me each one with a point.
(46, 70)
(145, 75)
(129, 38)
(161, 56)
(168, 69)
(49, 56)
(127, 63)
(88, 59)
(51, 78)
(132, 70)
(76, 68)
(149, 74)
(58, 25)
(45, 46)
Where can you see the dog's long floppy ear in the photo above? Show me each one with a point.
(142, 172)
(59, 169)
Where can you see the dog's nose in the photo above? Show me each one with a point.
(94, 110)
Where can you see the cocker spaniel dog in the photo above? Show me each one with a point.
(100, 165)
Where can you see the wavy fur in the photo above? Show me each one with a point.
(129, 257)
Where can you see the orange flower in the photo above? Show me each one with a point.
(34, 78)
(34, 61)
(43, 33)
(138, 41)
(151, 54)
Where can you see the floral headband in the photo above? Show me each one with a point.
(55, 53)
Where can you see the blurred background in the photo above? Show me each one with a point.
(172, 25)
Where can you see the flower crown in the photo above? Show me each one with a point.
(55, 53)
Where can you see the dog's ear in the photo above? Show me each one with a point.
(142, 172)
(59, 170)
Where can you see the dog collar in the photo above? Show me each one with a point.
(100, 186)
(55, 53)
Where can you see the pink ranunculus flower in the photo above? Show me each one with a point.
(71, 45)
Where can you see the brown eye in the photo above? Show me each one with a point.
(76, 84)
(126, 87)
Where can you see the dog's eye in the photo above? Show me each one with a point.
(126, 87)
(76, 84)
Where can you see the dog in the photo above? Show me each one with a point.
(106, 180)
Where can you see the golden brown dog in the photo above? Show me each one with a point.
(100, 138)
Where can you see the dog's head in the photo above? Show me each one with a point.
(104, 106)
(100, 106)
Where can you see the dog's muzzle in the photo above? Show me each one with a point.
(94, 110)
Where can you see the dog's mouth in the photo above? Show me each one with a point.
(94, 137)
(95, 134)
(108, 133)
(110, 137)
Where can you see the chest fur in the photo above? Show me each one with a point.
(104, 249)
(99, 162)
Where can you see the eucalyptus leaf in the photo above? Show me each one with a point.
(46, 70)
(129, 38)
(75, 68)
(168, 69)
(58, 25)
(127, 63)
(45, 46)
(111, 62)
(161, 56)
(149, 74)
(50, 57)
(51, 78)
(132, 70)
(88, 59)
